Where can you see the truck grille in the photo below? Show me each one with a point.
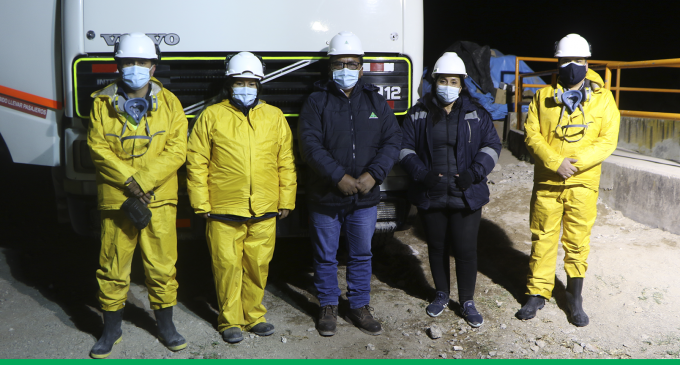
(194, 79)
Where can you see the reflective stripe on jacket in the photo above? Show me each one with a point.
(156, 170)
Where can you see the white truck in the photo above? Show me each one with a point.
(56, 53)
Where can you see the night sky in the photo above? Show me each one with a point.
(617, 30)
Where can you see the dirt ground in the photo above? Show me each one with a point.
(48, 305)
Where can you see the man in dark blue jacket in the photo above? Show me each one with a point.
(350, 140)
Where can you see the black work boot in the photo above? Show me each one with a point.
(362, 318)
(167, 332)
(263, 329)
(528, 311)
(112, 334)
(577, 316)
(328, 320)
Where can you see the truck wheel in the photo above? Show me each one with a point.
(381, 239)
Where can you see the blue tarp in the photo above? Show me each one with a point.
(503, 70)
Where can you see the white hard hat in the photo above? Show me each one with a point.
(573, 45)
(245, 64)
(449, 63)
(135, 45)
(345, 42)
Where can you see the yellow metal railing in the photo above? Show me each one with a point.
(607, 66)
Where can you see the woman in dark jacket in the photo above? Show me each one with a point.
(449, 146)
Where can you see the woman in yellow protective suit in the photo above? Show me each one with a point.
(241, 176)
(571, 128)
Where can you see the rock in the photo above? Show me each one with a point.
(540, 343)
(577, 349)
(405, 334)
(591, 348)
(310, 329)
(499, 304)
(534, 348)
(283, 339)
(370, 347)
(457, 356)
(503, 326)
(443, 356)
(457, 348)
(492, 353)
(486, 291)
(252, 335)
(419, 333)
(434, 332)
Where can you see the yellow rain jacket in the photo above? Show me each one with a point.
(156, 170)
(549, 149)
(240, 165)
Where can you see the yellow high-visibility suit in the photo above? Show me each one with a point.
(155, 171)
(241, 166)
(572, 202)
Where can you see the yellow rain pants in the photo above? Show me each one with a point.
(575, 208)
(241, 253)
(158, 242)
(572, 202)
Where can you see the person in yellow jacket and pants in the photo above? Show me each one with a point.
(572, 126)
(137, 138)
(241, 177)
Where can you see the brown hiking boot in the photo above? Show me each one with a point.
(362, 318)
(328, 319)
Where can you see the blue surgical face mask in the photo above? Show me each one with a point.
(136, 77)
(447, 94)
(246, 95)
(572, 73)
(346, 78)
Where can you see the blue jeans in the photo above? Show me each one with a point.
(358, 225)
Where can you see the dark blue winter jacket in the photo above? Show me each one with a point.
(477, 150)
(338, 135)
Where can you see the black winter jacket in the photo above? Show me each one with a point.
(338, 135)
(477, 150)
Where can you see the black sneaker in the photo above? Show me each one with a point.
(437, 306)
(263, 329)
(328, 319)
(232, 335)
(472, 317)
(362, 318)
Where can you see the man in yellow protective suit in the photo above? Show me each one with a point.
(137, 138)
(571, 128)
(241, 176)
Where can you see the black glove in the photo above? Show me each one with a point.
(464, 180)
(431, 179)
(137, 212)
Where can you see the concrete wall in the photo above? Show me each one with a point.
(643, 188)
(651, 137)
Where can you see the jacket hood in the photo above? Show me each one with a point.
(226, 103)
(111, 89)
(594, 78)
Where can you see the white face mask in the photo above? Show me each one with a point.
(447, 94)
(246, 95)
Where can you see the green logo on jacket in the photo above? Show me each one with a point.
(373, 116)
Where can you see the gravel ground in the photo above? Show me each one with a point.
(49, 309)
